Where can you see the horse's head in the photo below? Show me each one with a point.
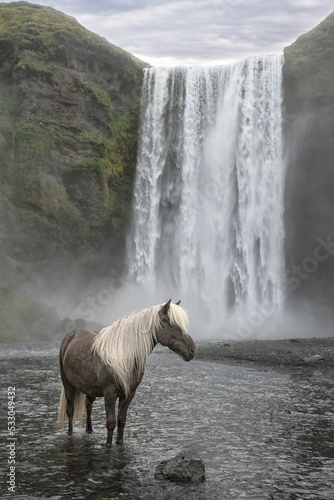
(173, 332)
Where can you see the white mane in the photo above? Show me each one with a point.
(128, 342)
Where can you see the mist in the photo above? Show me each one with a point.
(102, 304)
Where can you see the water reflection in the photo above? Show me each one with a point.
(82, 461)
(261, 435)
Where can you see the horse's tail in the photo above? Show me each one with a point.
(62, 410)
(79, 397)
(79, 408)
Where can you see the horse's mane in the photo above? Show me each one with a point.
(128, 342)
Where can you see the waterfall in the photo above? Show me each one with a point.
(207, 223)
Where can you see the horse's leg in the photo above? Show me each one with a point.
(70, 397)
(124, 402)
(89, 403)
(110, 397)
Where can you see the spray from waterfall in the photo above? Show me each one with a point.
(208, 205)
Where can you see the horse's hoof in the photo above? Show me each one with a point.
(119, 441)
(108, 445)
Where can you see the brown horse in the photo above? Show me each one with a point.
(111, 363)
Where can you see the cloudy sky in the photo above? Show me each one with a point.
(197, 32)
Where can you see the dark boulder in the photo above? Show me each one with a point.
(186, 467)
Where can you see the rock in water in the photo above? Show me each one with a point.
(186, 467)
(312, 359)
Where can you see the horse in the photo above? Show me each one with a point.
(111, 363)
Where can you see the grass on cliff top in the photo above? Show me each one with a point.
(311, 57)
(39, 27)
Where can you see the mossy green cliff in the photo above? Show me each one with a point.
(69, 105)
(308, 84)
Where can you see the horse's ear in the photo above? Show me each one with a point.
(165, 308)
(178, 303)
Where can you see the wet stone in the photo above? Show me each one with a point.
(313, 359)
(186, 467)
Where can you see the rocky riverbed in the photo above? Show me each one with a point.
(297, 354)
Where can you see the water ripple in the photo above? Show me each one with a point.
(261, 435)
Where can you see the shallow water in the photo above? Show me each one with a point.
(261, 435)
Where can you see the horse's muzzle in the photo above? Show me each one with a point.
(190, 355)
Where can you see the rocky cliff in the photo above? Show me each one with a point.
(69, 104)
(308, 81)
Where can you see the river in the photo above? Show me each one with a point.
(262, 435)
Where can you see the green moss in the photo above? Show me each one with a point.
(97, 164)
(117, 224)
(2, 145)
(34, 68)
(102, 99)
(64, 139)
(9, 105)
(309, 63)
(31, 140)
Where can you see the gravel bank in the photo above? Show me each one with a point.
(277, 354)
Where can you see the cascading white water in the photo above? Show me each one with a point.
(208, 197)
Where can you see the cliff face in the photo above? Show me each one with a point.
(69, 104)
(308, 80)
